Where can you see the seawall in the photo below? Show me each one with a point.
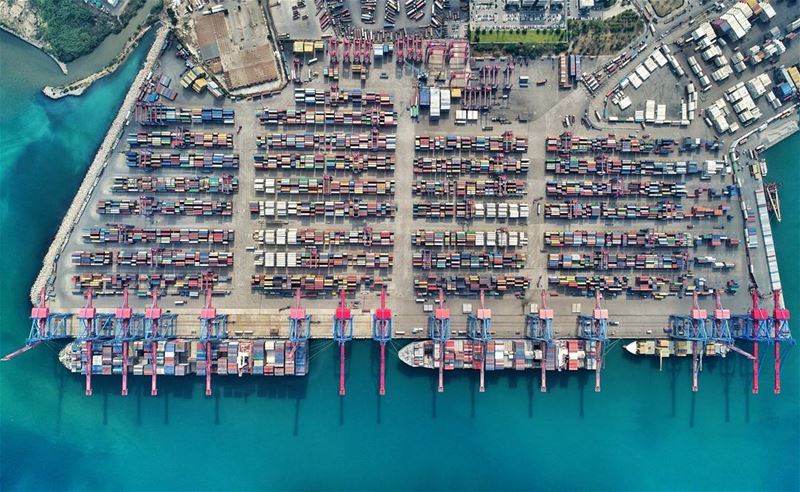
(81, 200)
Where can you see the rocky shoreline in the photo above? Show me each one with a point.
(79, 203)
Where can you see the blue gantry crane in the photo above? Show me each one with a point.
(342, 333)
(594, 328)
(540, 329)
(752, 327)
(94, 327)
(382, 333)
(779, 329)
(213, 327)
(45, 327)
(692, 328)
(439, 332)
(128, 327)
(158, 326)
(479, 329)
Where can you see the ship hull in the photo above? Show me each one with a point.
(675, 348)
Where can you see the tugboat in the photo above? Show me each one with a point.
(773, 202)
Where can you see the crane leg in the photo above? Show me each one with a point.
(341, 369)
(777, 368)
(543, 385)
(153, 384)
(755, 368)
(441, 369)
(382, 389)
(208, 368)
(89, 368)
(597, 366)
(124, 369)
(483, 372)
(694, 367)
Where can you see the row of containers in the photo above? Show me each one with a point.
(320, 238)
(643, 238)
(225, 184)
(130, 234)
(149, 205)
(354, 97)
(569, 144)
(158, 114)
(189, 357)
(326, 161)
(142, 284)
(326, 185)
(156, 257)
(310, 117)
(180, 138)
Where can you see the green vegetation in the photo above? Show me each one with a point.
(524, 36)
(73, 29)
(519, 42)
(605, 36)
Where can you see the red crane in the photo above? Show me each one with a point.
(86, 315)
(780, 333)
(382, 333)
(439, 332)
(124, 319)
(342, 333)
(600, 316)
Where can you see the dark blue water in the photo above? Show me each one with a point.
(645, 431)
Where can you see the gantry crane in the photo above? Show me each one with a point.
(213, 327)
(722, 327)
(45, 326)
(594, 328)
(540, 329)
(128, 326)
(692, 328)
(93, 326)
(753, 327)
(299, 323)
(382, 333)
(342, 333)
(479, 329)
(779, 329)
(439, 332)
(157, 326)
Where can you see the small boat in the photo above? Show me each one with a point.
(773, 202)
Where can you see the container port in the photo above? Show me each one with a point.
(474, 232)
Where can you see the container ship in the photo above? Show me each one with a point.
(517, 354)
(663, 348)
(187, 357)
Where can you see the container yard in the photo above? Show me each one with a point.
(223, 234)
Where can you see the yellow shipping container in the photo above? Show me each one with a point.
(308, 47)
(297, 47)
(319, 45)
(794, 73)
(455, 93)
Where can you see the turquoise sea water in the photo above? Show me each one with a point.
(646, 430)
